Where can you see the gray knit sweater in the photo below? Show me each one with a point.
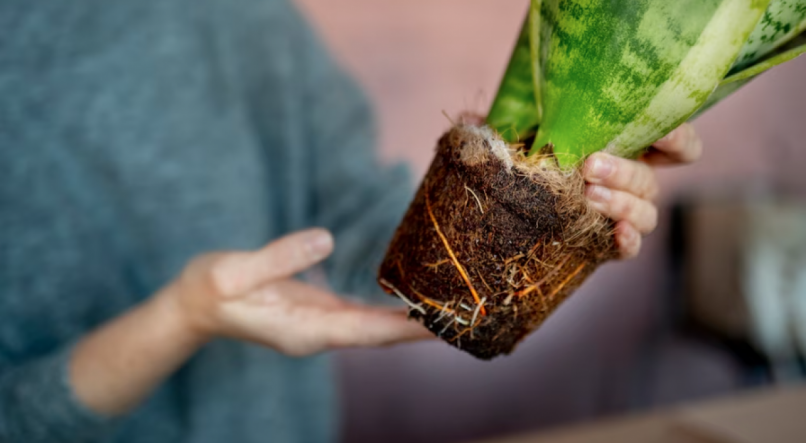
(136, 134)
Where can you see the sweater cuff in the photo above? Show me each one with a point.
(39, 404)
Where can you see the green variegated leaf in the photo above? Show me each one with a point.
(781, 22)
(617, 75)
(535, 50)
(781, 55)
(517, 109)
(732, 83)
(621, 74)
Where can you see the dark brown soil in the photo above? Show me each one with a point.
(486, 253)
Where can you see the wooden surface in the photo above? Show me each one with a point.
(769, 416)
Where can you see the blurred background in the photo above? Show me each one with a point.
(711, 306)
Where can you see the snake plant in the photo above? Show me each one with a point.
(616, 75)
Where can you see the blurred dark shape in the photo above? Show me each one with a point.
(744, 262)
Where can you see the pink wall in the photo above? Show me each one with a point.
(418, 58)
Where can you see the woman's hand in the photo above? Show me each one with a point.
(252, 296)
(243, 295)
(624, 190)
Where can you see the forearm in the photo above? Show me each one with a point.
(117, 366)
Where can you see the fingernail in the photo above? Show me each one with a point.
(599, 194)
(601, 167)
(629, 236)
(319, 244)
(668, 137)
(629, 243)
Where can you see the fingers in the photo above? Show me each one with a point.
(622, 190)
(299, 319)
(628, 240)
(239, 272)
(680, 146)
(363, 326)
(623, 206)
(291, 291)
(621, 174)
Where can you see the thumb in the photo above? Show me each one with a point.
(239, 273)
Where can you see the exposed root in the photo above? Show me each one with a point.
(447, 325)
(481, 208)
(445, 311)
(559, 287)
(476, 314)
(428, 301)
(456, 263)
(536, 286)
(413, 305)
(481, 277)
(453, 123)
(532, 251)
(525, 275)
(512, 259)
(400, 268)
(533, 240)
(458, 338)
(436, 265)
(518, 146)
(471, 118)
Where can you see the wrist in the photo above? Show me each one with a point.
(173, 312)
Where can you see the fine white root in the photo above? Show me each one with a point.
(447, 325)
(453, 123)
(443, 313)
(415, 306)
(498, 146)
(460, 320)
(481, 208)
(476, 314)
(465, 307)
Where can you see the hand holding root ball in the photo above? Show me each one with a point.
(495, 241)
(624, 189)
